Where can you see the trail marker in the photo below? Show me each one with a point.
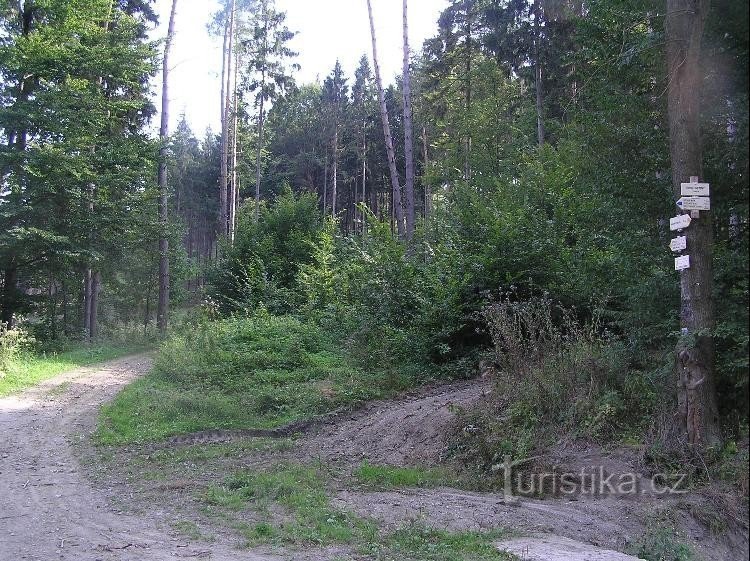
(682, 262)
(695, 189)
(679, 222)
(694, 203)
(678, 244)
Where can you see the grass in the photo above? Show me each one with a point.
(259, 372)
(291, 506)
(27, 370)
(395, 477)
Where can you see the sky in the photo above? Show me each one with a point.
(327, 30)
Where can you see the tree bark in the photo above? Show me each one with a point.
(697, 403)
(259, 154)
(225, 88)
(96, 281)
(163, 308)
(408, 131)
(325, 186)
(538, 74)
(398, 209)
(335, 178)
(234, 193)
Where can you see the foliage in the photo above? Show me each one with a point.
(262, 371)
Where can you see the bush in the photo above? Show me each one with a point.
(555, 376)
(13, 342)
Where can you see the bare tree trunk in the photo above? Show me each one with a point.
(398, 209)
(234, 193)
(8, 304)
(335, 192)
(96, 280)
(259, 154)
(226, 103)
(538, 74)
(325, 186)
(698, 411)
(408, 131)
(87, 302)
(163, 309)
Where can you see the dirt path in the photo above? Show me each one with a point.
(48, 510)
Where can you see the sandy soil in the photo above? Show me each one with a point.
(48, 510)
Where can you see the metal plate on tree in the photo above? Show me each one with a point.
(682, 262)
(694, 203)
(679, 222)
(678, 244)
(695, 189)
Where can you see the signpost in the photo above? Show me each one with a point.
(682, 262)
(679, 222)
(694, 203)
(678, 244)
(695, 189)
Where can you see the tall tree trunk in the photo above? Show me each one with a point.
(232, 197)
(398, 209)
(325, 185)
(87, 302)
(96, 281)
(335, 178)
(259, 154)
(408, 131)
(226, 103)
(468, 30)
(163, 308)
(538, 73)
(698, 411)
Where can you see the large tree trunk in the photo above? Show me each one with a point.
(234, 193)
(538, 73)
(398, 209)
(163, 308)
(408, 131)
(698, 411)
(325, 186)
(226, 103)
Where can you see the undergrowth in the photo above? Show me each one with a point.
(259, 372)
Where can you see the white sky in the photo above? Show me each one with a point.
(327, 29)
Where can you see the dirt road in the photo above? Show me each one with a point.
(48, 510)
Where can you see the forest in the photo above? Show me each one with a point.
(499, 215)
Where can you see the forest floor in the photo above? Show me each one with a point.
(358, 486)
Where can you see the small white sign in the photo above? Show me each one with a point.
(682, 262)
(695, 189)
(678, 244)
(679, 222)
(694, 203)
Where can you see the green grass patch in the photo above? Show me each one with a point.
(394, 477)
(418, 542)
(291, 506)
(27, 369)
(259, 372)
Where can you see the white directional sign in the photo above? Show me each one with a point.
(694, 203)
(679, 222)
(678, 244)
(682, 262)
(695, 189)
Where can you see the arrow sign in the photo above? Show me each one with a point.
(682, 262)
(679, 222)
(678, 244)
(694, 203)
(695, 189)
